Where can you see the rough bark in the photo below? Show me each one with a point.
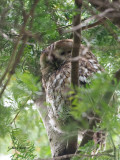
(76, 46)
(75, 66)
(58, 141)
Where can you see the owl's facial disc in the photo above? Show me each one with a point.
(59, 57)
(62, 55)
(56, 55)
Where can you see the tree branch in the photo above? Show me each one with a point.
(11, 70)
(95, 24)
(89, 26)
(105, 153)
(72, 143)
(76, 46)
(102, 5)
(15, 57)
(58, 141)
(87, 21)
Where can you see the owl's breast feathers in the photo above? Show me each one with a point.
(57, 82)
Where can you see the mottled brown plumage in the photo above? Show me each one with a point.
(55, 66)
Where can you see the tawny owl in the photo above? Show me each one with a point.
(55, 67)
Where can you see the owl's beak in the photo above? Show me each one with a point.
(50, 58)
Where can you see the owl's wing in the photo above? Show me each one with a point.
(57, 88)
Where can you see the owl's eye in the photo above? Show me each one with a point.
(62, 53)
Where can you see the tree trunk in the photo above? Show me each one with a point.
(58, 141)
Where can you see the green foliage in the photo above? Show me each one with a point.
(23, 148)
(104, 44)
(17, 108)
(5, 117)
(101, 97)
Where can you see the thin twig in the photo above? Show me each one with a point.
(105, 153)
(89, 26)
(13, 63)
(98, 17)
(104, 22)
(102, 5)
(12, 69)
(15, 116)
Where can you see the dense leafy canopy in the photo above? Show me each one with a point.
(21, 128)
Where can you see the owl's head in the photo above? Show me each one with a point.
(54, 56)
